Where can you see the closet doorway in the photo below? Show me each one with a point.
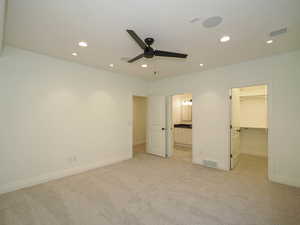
(139, 122)
(249, 130)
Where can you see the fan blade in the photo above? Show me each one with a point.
(140, 42)
(136, 58)
(169, 54)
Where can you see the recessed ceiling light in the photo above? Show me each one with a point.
(74, 54)
(83, 44)
(269, 41)
(144, 65)
(111, 65)
(201, 64)
(225, 39)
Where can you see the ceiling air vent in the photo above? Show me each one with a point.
(194, 20)
(278, 32)
(212, 21)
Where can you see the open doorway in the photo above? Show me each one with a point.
(139, 137)
(249, 130)
(182, 127)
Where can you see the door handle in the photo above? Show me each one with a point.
(163, 128)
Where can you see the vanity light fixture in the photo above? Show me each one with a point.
(83, 44)
(225, 39)
(189, 102)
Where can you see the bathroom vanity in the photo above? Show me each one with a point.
(183, 135)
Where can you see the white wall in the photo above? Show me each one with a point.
(139, 120)
(53, 110)
(211, 110)
(176, 108)
(235, 108)
(2, 17)
(253, 111)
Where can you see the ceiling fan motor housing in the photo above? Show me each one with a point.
(149, 52)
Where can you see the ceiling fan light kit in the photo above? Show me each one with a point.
(149, 52)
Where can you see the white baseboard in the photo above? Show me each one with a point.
(59, 174)
(255, 154)
(139, 143)
(285, 180)
(182, 145)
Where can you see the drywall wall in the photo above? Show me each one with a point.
(59, 118)
(2, 22)
(254, 90)
(235, 108)
(210, 90)
(179, 110)
(254, 141)
(253, 111)
(139, 120)
(176, 109)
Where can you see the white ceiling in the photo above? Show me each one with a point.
(54, 27)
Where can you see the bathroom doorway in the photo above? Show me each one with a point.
(182, 120)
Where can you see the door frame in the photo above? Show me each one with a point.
(269, 116)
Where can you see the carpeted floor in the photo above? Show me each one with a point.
(180, 153)
(149, 190)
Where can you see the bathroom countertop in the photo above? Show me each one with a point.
(183, 125)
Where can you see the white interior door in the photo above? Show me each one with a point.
(156, 135)
(235, 127)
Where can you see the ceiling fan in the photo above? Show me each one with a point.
(149, 52)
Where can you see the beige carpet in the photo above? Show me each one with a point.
(149, 190)
(180, 153)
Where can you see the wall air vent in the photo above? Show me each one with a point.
(210, 163)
